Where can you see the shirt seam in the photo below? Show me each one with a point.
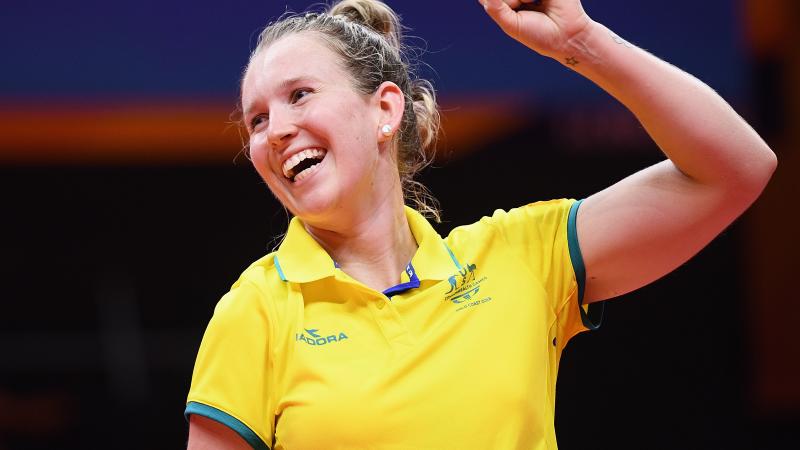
(270, 346)
(508, 245)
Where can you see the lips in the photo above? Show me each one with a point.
(303, 163)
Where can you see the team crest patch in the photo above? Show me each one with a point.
(465, 287)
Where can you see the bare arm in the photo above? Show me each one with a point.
(646, 225)
(207, 434)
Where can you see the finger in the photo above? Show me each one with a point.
(514, 4)
(529, 5)
(502, 14)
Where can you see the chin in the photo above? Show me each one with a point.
(315, 208)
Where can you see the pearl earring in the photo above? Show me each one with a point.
(386, 130)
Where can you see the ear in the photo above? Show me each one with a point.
(391, 102)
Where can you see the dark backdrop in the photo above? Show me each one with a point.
(111, 271)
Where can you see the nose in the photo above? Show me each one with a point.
(281, 128)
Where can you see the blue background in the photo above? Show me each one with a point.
(168, 48)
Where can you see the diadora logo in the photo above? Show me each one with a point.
(311, 337)
(464, 288)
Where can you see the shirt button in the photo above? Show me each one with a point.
(381, 304)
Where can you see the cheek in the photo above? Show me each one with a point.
(259, 159)
(351, 121)
(257, 155)
(359, 134)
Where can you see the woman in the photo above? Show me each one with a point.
(368, 330)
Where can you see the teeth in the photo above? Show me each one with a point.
(306, 173)
(292, 162)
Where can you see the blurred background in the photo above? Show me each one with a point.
(128, 210)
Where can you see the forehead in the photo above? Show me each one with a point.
(296, 56)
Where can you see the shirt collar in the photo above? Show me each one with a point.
(301, 259)
(433, 259)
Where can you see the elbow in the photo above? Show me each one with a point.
(756, 174)
(772, 163)
(765, 168)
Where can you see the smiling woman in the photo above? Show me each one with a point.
(361, 47)
(366, 327)
(314, 138)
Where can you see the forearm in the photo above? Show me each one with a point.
(702, 135)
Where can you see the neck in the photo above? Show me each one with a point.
(374, 247)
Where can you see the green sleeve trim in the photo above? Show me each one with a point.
(580, 270)
(228, 420)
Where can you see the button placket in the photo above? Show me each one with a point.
(390, 322)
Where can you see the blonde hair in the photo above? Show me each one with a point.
(367, 35)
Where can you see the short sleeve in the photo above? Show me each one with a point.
(545, 237)
(231, 378)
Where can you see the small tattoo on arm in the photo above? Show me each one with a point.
(571, 61)
(619, 40)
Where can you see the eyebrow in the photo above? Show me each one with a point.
(281, 87)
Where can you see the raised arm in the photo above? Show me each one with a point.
(646, 225)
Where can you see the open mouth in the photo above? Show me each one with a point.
(303, 164)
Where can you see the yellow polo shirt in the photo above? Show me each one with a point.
(462, 355)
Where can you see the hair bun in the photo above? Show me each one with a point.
(373, 14)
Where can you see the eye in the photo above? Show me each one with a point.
(258, 120)
(298, 94)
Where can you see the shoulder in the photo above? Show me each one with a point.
(263, 273)
(541, 213)
(256, 289)
(536, 217)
